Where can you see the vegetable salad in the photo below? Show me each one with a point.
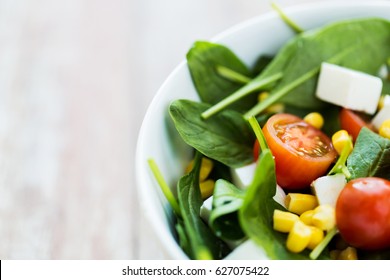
(292, 154)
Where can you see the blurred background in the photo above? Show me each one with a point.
(76, 78)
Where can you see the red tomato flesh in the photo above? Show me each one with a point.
(256, 150)
(302, 152)
(363, 213)
(352, 123)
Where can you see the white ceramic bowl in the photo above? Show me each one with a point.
(158, 139)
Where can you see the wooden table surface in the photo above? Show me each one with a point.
(76, 78)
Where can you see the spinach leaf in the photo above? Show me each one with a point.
(203, 59)
(183, 238)
(331, 116)
(226, 138)
(198, 239)
(220, 171)
(370, 156)
(360, 44)
(261, 63)
(257, 211)
(227, 200)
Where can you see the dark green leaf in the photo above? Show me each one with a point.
(331, 116)
(261, 63)
(263, 118)
(220, 171)
(226, 137)
(370, 156)
(183, 238)
(203, 60)
(227, 200)
(362, 44)
(203, 244)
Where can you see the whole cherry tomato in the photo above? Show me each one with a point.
(363, 213)
(352, 122)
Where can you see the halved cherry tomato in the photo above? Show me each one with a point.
(256, 150)
(363, 213)
(302, 152)
(352, 122)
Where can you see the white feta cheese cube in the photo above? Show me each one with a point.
(327, 188)
(381, 116)
(205, 209)
(243, 176)
(349, 88)
(248, 250)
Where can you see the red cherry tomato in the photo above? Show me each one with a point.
(302, 152)
(352, 122)
(363, 213)
(256, 150)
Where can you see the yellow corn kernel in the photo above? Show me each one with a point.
(207, 188)
(298, 238)
(340, 139)
(205, 168)
(262, 96)
(307, 217)
(349, 253)
(315, 119)
(284, 221)
(299, 203)
(316, 237)
(275, 108)
(384, 129)
(324, 217)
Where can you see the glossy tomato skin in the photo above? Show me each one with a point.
(296, 169)
(363, 213)
(352, 122)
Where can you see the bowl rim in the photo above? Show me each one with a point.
(164, 236)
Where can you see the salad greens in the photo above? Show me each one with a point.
(198, 238)
(257, 210)
(217, 127)
(203, 60)
(226, 138)
(370, 157)
(357, 44)
(362, 45)
(227, 200)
